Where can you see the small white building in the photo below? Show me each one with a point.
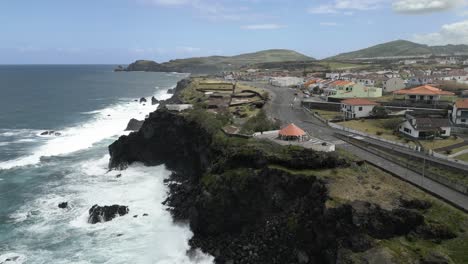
(286, 81)
(357, 108)
(178, 107)
(459, 115)
(425, 128)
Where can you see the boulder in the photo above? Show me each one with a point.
(100, 214)
(434, 258)
(134, 125)
(63, 205)
(142, 100)
(170, 91)
(50, 133)
(415, 204)
(154, 101)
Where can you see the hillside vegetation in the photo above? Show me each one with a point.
(401, 48)
(219, 63)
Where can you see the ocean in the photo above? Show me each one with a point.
(90, 106)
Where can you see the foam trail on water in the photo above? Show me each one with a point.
(105, 123)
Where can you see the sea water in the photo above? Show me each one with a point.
(90, 107)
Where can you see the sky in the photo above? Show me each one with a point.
(122, 31)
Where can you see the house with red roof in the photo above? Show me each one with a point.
(423, 94)
(459, 115)
(357, 108)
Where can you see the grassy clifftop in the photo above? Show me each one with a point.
(213, 64)
(401, 48)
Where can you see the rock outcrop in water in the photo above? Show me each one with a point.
(51, 133)
(154, 101)
(245, 205)
(100, 214)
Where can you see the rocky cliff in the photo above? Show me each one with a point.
(245, 204)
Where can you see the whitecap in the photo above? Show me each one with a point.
(12, 258)
(105, 123)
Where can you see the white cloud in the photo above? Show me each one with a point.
(347, 6)
(426, 6)
(263, 27)
(329, 24)
(187, 50)
(171, 2)
(456, 33)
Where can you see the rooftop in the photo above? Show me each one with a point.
(358, 101)
(292, 130)
(424, 90)
(462, 103)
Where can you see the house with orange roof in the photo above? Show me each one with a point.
(357, 108)
(423, 94)
(459, 115)
(292, 133)
(347, 89)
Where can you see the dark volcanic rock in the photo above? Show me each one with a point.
(242, 210)
(415, 204)
(100, 214)
(170, 91)
(434, 258)
(143, 100)
(134, 125)
(50, 133)
(154, 101)
(63, 205)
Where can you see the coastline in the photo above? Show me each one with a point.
(246, 204)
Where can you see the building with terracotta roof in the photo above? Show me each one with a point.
(292, 132)
(357, 108)
(423, 94)
(459, 115)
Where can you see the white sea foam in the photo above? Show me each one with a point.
(104, 123)
(12, 258)
(144, 239)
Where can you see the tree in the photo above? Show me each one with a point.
(379, 111)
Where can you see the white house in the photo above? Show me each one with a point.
(459, 115)
(178, 107)
(425, 128)
(357, 108)
(286, 81)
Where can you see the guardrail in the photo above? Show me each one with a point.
(444, 157)
(360, 133)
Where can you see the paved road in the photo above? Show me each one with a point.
(286, 107)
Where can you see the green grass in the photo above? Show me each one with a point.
(440, 143)
(376, 127)
(328, 115)
(463, 157)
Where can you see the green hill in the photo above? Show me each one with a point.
(219, 63)
(402, 48)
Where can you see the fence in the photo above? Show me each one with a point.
(346, 129)
(445, 157)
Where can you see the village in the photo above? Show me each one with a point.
(426, 109)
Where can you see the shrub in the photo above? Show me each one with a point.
(259, 123)
(379, 133)
(391, 124)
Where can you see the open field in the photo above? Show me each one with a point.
(440, 143)
(463, 157)
(328, 115)
(376, 127)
